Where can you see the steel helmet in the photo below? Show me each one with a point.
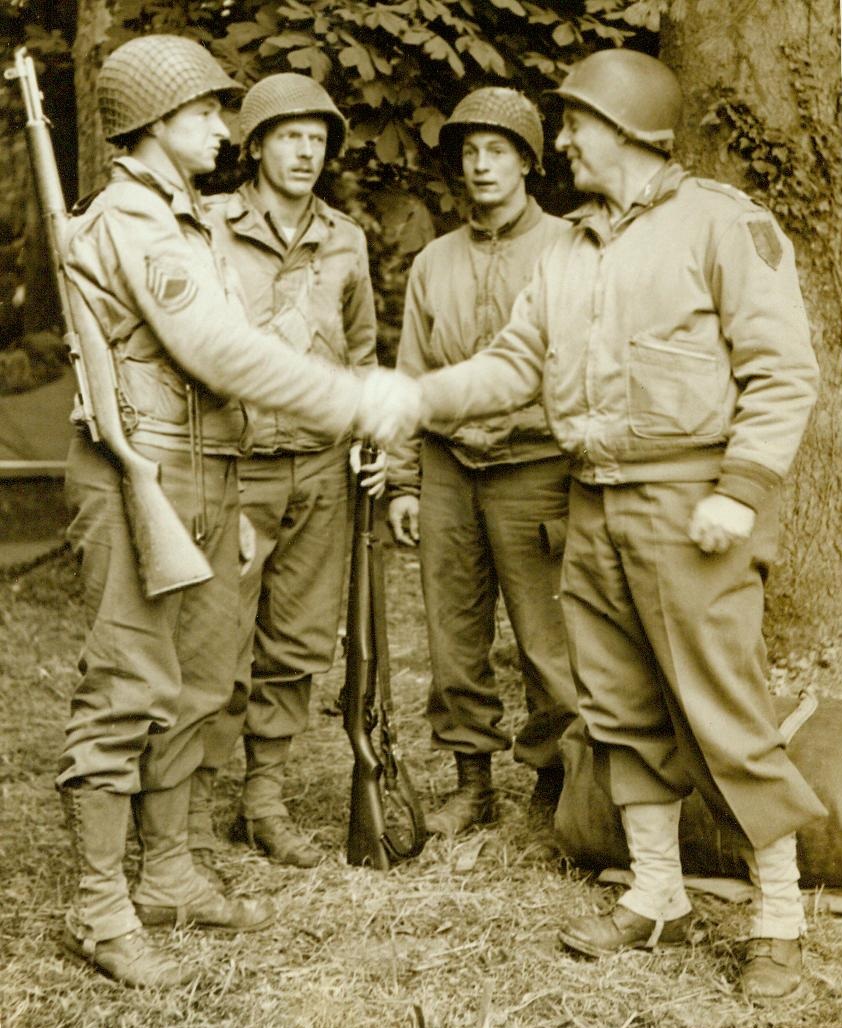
(497, 108)
(290, 95)
(637, 93)
(151, 76)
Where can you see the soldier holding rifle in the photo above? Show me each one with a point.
(293, 253)
(154, 670)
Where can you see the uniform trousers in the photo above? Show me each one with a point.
(669, 659)
(480, 537)
(153, 671)
(290, 600)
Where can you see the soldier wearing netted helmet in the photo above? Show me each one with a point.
(294, 253)
(487, 501)
(667, 329)
(185, 359)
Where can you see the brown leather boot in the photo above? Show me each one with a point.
(473, 801)
(279, 840)
(771, 970)
(543, 802)
(170, 890)
(599, 935)
(102, 927)
(132, 959)
(201, 837)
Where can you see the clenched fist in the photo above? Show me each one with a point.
(390, 410)
(718, 521)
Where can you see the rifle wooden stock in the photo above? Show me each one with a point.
(380, 786)
(168, 558)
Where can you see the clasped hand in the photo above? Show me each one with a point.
(718, 521)
(390, 408)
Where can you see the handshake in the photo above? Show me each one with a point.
(391, 407)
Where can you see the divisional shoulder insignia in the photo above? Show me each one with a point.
(766, 242)
(170, 284)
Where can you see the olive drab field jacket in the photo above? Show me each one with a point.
(673, 346)
(321, 279)
(460, 293)
(171, 311)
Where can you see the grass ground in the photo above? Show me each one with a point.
(461, 937)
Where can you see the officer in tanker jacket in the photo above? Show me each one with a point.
(667, 326)
(292, 252)
(486, 487)
(154, 671)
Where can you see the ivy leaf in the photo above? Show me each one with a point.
(311, 57)
(241, 33)
(484, 54)
(295, 11)
(544, 64)
(565, 34)
(431, 120)
(383, 18)
(541, 16)
(416, 36)
(388, 146)
(440, 50)
(510, 5)
(285, 41)
(358, 57)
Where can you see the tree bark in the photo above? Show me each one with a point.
(94, 18)
(777, 66)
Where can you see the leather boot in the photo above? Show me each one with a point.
(543, 802)
(277, 838)
(170, 890)
(655, 909)
(773, 964)
(200, 833)
(102, 928)
(473, 801)
(266, 824)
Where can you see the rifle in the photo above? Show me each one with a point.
(168, 558)
(386, 824)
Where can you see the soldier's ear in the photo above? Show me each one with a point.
(255, 149)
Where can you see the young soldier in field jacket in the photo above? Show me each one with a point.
(485, 488)
(295, 256)
(667, 329)
(155, 670)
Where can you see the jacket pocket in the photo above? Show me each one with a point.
(672, 389)
(154, 390)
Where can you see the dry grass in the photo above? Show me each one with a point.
(462, 937)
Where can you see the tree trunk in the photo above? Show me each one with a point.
(764, 74)
(94, 18)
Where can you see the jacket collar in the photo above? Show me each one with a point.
(522, 222)
(593, 214)
(184, 203)
(247, 216)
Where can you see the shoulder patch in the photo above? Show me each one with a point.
(766, 242)
(170, 284)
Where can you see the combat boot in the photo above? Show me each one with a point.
(545, 796)
(266, 824)
(473, 801)
(170, 890)
(277, 838)
(655, 910)
(773, 965)
(202, 840)
(102, 928)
